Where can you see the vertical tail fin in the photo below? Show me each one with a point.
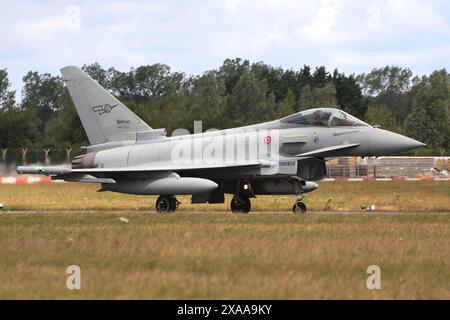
(104, 117)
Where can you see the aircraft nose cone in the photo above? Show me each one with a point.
(383, 142)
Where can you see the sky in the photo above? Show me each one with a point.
(195, 36)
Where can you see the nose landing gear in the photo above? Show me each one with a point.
(299, 206)
(167, 204)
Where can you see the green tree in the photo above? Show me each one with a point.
(273, 77)
(145, 82)
(96, 72)
(320, 97)
(389, 86)
(17, 127)
(348, 94)
(325, 96)
(320, 77)
(384, 117)
(154, 81)
(296, 80)
(389, 79)
(237, 93)
(231, 71)
(7, 97)
(306, 100)
(287, 106)
(429, 120)
(41, 93)
(208, 100)
(65, 130)
(174, 113)
(249, 102)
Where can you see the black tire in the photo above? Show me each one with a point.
(234, 205)
(299, 207)
(247, 205)
(163, 204)
(173, 204)
(240, 205)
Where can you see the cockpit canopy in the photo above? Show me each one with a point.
(324, 117)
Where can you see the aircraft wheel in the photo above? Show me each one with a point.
(163, 204)
(240, 204)
(299, 207)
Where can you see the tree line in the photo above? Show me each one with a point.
(237, 93)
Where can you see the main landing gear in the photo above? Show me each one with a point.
(241, 199)
(240, 204)
(167, 204)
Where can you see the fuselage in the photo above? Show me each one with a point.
(281, 148)
(268, 142)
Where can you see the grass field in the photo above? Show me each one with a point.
(220, 255)
(334, 196)
(263, 255)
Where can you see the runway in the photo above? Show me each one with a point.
(181, 212)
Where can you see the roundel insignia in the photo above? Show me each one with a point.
(267, 140)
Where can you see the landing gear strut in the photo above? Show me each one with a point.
(167, 204)
(299, 206)
(240, 204)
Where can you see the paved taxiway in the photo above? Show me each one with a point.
(151, 212)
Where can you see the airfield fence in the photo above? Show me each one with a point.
(388, 167)
(346, 167)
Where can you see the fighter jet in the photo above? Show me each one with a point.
(281, 157)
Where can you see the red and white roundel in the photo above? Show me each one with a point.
(267, 140)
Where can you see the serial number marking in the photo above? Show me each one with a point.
(287, 163)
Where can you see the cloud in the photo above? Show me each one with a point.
(198, 35)
(424, 61)
(71, 20)
(321, 27)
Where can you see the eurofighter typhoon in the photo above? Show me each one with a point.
(280, 157)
